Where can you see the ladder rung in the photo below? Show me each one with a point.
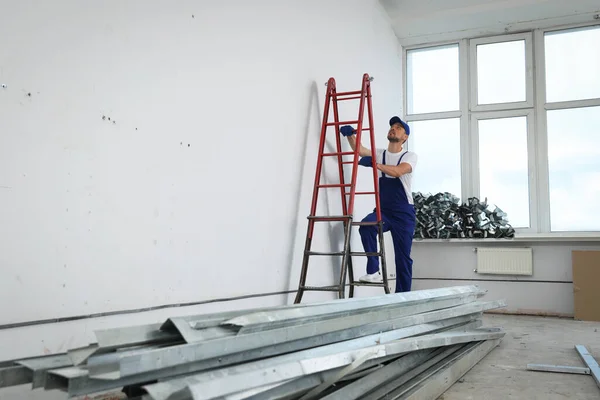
(322, 288)
(360, 193)
(328, 253)
(350, 98)
(367, 223)
(348, 93)
(343, 153)
(329, 218)
(362, 253)
(335, 185)
(375, 284)
(341, 253)
(341, 123)
(347, 162)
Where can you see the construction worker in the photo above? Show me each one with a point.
(395, 166)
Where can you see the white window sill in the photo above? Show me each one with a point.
(526, 237)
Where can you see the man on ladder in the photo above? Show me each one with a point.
(395, 166)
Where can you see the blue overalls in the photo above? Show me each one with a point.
(398, 216)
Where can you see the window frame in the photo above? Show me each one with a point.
(531, 162)
(405, 84)
(529, 78)
(535, 108)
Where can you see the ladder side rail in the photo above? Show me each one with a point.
(374, 155)
(361, 112)
(338, 140)
(346, 259)
(313, 208)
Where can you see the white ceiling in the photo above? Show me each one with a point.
(419, 21)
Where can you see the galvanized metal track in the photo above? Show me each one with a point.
(397, 345)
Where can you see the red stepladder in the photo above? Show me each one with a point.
(347, 190)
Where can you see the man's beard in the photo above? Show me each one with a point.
(393, 139)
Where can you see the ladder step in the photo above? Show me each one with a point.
(335, 185)
(367, 223)
(341, 253)
(342, 123)
(329, 218)
(343, 153)
(362, 253)
(373, 284)
(320, 253)
(360, 193)
(322, 288)
(347, 93)
(350, 98)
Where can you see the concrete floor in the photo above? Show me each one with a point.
(503, 373)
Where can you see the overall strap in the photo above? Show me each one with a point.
(403, 154)
(399, 161)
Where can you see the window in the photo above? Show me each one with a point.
(502, 82)
(503, 166)
(572, 64)
(432, 80)
(437, 143)
(433, 105)
(574, 168)
(501, 72)
(512, 118)
(572, 81)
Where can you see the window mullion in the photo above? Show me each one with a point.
(541, 137)
(474, 155)
(532, 168)
(405, 82)
(466, 158)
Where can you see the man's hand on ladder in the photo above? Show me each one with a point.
(347, 130)
(349, 133)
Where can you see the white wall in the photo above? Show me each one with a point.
(199, 185)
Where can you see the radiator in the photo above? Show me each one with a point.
(503, 261)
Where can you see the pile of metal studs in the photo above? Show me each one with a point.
(411, 345)
(441, 216)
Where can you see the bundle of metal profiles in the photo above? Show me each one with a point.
(411, 345)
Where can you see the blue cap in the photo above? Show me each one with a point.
(397, 120)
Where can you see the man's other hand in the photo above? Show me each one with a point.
(366, 161)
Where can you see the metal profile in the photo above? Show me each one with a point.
(399, 381)
(76, 380)
(350, 348)
(191, 328)
(390, 372)
(220, 386)
(272, 342)
(15, 375)
(162, 390)
(413, 307)
(435, 385)
(39, 367)
(591, 363)
(565, 369)
(266, 317)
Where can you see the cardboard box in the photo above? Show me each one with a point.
(586, 284)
